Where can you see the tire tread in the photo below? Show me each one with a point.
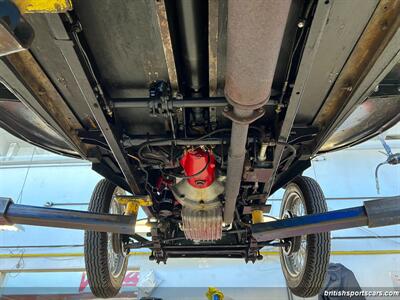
(318, 245)
(95, 246)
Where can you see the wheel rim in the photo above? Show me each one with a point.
(295, 261)
(116, 258)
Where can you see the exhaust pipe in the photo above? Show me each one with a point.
(254, 36)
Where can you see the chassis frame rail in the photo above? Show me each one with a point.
(374, 213)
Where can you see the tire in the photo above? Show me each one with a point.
(102, 280)
(314, 249)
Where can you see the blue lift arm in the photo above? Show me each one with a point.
(374, 213)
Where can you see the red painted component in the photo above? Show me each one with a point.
(195, 160)
(162, 183)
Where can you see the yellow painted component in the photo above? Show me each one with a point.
(345, 252)
(257, 216)
(132, 208)
(365, 252)
(43, 6)
(50, 255)
(140, 200)
(40, 255)
(212, 292)
(141, 253)
(133, 203)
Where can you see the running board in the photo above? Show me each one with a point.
(374, 213)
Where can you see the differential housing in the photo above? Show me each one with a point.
(198, 193)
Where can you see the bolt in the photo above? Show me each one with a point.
(226, 109)
(398, 88)
(376, 89)
(301, 24)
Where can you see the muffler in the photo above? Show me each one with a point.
(254, 37)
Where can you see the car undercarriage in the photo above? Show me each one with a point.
(201, 109)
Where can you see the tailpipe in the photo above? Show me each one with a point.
(254, 36)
